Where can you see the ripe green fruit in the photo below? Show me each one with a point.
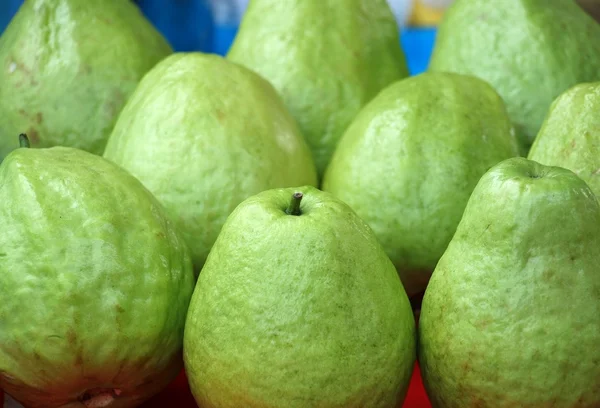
(326, 58)
(95, 283)
(570, 135)
(530, 51)
(409, 161)
(511, 316)
(298, 306)
(68, 66)
(203, 134)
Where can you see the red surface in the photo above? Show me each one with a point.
(178, 395)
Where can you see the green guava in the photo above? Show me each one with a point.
(530, 51)
(511, 316)
(570, 134)
(326, 58)
(298, 306)
(68, 66)
(95, 283)
(410, 159)
(203, 134)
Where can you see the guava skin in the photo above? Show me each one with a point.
(326, 59)
(511, 316)
(203, 134)
(410, 159)
(298, 311)
(530, 51)
(570, 135)
(95, 283)
(67, 68)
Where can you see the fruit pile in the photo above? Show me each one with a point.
(265, 219)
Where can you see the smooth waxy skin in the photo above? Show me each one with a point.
(327, 60)
(570, 135)
(67, 68)
(411, 158)
(95, 282)
(298, 311)
(203, 134)
(511, 316)
(529, 50)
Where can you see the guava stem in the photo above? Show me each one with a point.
(294, 207)
(24, 140)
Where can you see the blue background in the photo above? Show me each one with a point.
(189, 26)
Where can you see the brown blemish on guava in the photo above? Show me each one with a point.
(85, 69)
(119, 309)
(579, 402)
(39, 117)
(482, 324)
(595, 173)
(34, 137)
(114, 103)
(105, 20)
(71, 337)
(478, 403)
(13, 65)
(548, 274)
(466, 365)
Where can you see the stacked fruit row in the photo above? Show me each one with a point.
(265, 218)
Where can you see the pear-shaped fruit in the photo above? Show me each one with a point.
(511, 316)
(203, 134)
(68, 66)
(529, 50)
(94, 279)
(326, 58)
(298, 306)
(409, 161)
(570, 135)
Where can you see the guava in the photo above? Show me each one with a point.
(203, 134)
(67, 67)
(530, 51)
(326, 59)
(511, 316)
(298, 306)
(95, 283)
(410, 159)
